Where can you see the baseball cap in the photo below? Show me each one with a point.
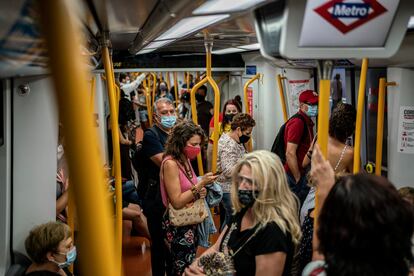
(308, 97)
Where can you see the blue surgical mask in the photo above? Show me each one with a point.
(168, 121)
(70, 258)
(312, 111)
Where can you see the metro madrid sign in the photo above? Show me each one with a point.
(347, 23)
(360, 13)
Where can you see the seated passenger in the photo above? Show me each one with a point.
(133, 212)
(51, 249)
(364, 226)
(264, 230)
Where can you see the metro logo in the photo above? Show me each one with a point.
(350, 10)
(349, 15)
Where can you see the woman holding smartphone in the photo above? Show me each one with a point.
(230, 151)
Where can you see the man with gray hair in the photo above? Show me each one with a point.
(149, 180)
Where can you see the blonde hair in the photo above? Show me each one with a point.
(275, 202)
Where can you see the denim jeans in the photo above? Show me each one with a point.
(226, 201)
(300, 188)
(129, 192)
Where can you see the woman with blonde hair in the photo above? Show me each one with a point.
(261, 237)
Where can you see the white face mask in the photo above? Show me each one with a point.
(60, 152)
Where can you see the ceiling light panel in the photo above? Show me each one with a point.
(228, 51)
(158, 44)
(250, 47)
(190, 25)
(145, 51)
(411, 23)
(226, 6)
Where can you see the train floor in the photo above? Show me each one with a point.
(136, 252)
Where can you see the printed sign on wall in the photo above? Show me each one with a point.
(406, 130)
(295, 88)
(250, 99)
(352, 23)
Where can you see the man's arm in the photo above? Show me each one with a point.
(157, 159)
(292, 160)
(129, 87)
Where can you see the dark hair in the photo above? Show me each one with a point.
(180, 134)
(204, 88)
(239, 100)
(365, 228)
(232, 102)
(122, 76)
(342, 122)
(243, 121)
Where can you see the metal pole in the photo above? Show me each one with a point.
(246, 103)
(86, 165)
(177, 100)
(116, 154)
(360, 114)
(282, 96)
(380, 124)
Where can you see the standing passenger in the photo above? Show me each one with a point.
(336, 87)
(153, 148)
(230, 151)
(298, 138)
(179, 187)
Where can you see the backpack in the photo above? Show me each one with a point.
(146, 188)
(278, 146)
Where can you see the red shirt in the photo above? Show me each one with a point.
(212, 120)
(294, 134)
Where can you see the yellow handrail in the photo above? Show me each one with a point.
(154, 87)
(168, 81)
(246, 102)
(216, 90)
(360, 111)
(116, 154)
(380, 124)
(177, 100)
(92, 104)
(323, 116)
(149, 107)
(282, 96)
(85, 163)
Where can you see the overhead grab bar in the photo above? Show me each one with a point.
(380, 123)
(85, 164)
(208, 79)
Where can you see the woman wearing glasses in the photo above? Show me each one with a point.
(261, 236)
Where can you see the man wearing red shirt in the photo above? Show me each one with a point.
(298, 138)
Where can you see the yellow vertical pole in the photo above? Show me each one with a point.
(154, 87)
(149, 107)
(113, 105)
(92, 103)
(188, 81)
(246, 102)
(380, 124)
(323, 116)
(360, 114)
(177, 100)
(85, 163)
(168, 80)
(282, 96)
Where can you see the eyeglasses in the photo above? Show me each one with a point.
(240, 179)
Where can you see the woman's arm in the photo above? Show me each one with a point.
(62, 202)
(122, 139)
(270, 264)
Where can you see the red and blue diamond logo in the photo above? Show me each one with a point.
(347, 15)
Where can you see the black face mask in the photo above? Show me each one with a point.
(247, 197)
(229, 117)
(199, 97)
(244, 139)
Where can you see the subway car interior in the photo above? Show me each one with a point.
(64, 64)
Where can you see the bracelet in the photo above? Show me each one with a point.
(195, 192)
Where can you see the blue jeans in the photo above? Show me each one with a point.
(226, 201)
(300, 188)
(129, 192)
